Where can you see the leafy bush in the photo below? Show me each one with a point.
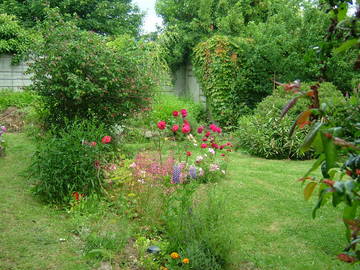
(263, 134)
(78, 76)
(9, 98)
(14, 39)
(164, 104)
(70, 160)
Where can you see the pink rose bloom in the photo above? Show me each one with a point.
(208, 134)
(214, 145)
(218, 130)
(183, 113)
(175, 128)
(175, 113)
(106, 139)
(161, 125)
(200, 130)
(203, 145)
(185, 129)
(213, 127)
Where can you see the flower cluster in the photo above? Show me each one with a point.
(207, 138)
(176, 262)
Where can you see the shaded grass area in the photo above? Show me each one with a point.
(32, 236)
(271, 224)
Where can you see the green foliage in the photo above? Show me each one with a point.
(217, 62)
(78, 76)
(196, 230)
(10, 98)
(14, 39)
(164, 104)
(109, 17)
(67, 162)
(265, 134)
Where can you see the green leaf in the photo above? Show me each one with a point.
(321, 200)
(330, 151)
(342, 10)
(310, 137)
(350, 211)
(336, 199)
(316, 165)
(309, 189)
(346, 45)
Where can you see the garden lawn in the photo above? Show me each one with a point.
(271, 224)
(32, 236)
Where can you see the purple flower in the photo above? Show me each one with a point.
(3, 128)
(176, 174)
(192, 172)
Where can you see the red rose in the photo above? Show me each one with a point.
(213, 127)
(215, 146)
(208, 134)
(175, 128)
(175, 113)
(223, 155)
(188, 153)
(183, 113)
(161, 125)
(203, 145)
(222, 147)
(200, 130)
(106, 139)
(185, 129)
(204, 139)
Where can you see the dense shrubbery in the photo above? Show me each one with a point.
(263, 134)
(78, 76)
(71, 160)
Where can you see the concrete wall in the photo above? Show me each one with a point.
(186, 84)
(12, 76)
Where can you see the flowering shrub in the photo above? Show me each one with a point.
(2, 141)
(71, 161)
(201, 153)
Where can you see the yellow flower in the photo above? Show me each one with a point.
(185, 260)
(175, 255)
(163, 268)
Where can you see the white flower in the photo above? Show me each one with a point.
(132, 165)
(213, 167)
(212, 151)
(199, 159)
(142, 181)
(201, 172)
(223, 171)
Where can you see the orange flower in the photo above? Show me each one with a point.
(186, 260)
(175, 255)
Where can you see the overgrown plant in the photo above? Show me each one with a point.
(71, 160)
(340, 181)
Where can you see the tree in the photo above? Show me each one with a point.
(108, 17)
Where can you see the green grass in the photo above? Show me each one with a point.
(269, 222)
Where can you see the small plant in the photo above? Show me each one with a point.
(2, 140)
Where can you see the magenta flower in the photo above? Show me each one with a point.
(161, 125)
(186, 129)
(183, 113)
(175, 113)
(200, 129)
(175, 128)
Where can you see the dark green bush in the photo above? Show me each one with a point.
(78, 76)
(66, 162)
(264, 134)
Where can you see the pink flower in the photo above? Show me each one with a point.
(188, 153)
(223, 155)
(208, 134)
(3, 128)
(200, 129)
(106, 139)
(214, 145)
(175, 128)
(222, 147)
(218, 130)
(203, 145)
(175, 113)
(186, 122)
(214, 167)
(161, 125)
(213, 127)
(204, 139)
(183, 113)
(93, 144)
(185, 129)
